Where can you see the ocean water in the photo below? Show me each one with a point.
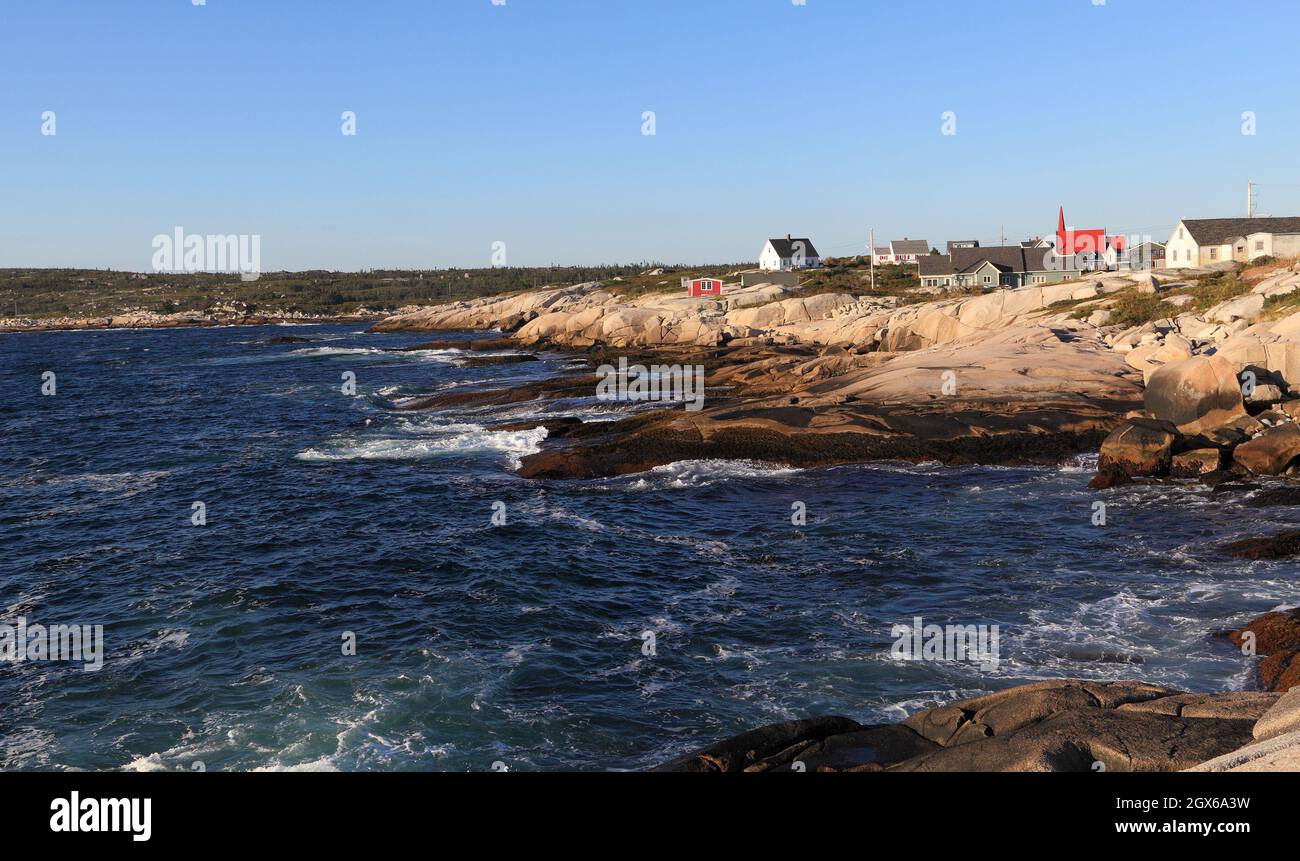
(523, 644)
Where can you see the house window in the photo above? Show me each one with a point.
(988, 279)
(1180, 233)
(1214, 254)
(1259, 245)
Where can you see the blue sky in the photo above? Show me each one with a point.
(522, 124)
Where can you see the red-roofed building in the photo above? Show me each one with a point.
(1078, 241)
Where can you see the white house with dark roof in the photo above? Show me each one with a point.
(901, 251)
(788, 254)
(1204, 241)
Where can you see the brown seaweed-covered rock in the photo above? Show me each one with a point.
(1139, 447)
(871, 748)
(775, 431)
(1195, 463)
(1062, 725)
(1110, 477)
(1280, 671)
(742, 751)
(509, 359)
(1271, 452)
(1278, 546)
(1287, 495)
(1277, 639)
(1279, 629)
(288, 339)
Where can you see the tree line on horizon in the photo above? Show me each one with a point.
(39, 293)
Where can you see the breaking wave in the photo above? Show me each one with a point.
(468, 439)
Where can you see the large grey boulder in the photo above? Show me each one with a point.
(1280, 753)
(1281, 718)
(1072, 725)
(1196, 393)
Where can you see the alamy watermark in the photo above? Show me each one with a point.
(192, 252)
(23, 642)
(977, 644)
(673, 383)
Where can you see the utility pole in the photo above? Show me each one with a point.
(1002, 234)
(871, 255)
(1250, 199)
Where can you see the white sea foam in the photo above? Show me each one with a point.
(471, 438)
(441, 356)
(701, 473)
(1081, 463)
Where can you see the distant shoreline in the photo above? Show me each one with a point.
(131, 323)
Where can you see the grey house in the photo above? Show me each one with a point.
(1003, 266)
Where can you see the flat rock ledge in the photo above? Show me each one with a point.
(1064, 725)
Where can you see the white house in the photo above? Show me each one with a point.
(902, 251)
(1202, 241)
(788, 254)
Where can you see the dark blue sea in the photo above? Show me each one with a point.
(522, 644)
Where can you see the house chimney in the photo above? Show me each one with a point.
(788, 237)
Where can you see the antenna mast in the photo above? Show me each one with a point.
(871, 253)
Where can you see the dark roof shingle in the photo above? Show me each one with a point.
(785, 247)
(910, 246)
(1221, 231)
(1006, 258)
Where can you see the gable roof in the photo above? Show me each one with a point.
(910, 246)
(936, 264)
(785, 247)
(1221, 231)
(1006, 258)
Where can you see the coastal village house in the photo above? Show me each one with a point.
(705, 287)
(1202, 241)
(1148, 255)
(1002, 266)
(789, 254)
(901, 251)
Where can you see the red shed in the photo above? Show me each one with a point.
(706, 287)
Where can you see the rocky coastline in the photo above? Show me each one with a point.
(1055, 726)
(1027, 376)
(176, 320)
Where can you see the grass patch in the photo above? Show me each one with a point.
(1216, 288)
(1131, 308)
(853, 275)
